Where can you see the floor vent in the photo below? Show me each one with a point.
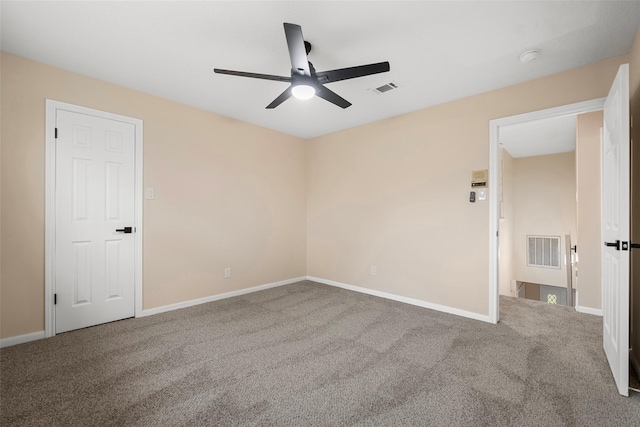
(385, 88)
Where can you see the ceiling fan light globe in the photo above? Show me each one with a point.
(303, 91)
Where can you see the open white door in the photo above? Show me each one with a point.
(615, 229)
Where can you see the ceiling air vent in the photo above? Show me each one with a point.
(385, 88)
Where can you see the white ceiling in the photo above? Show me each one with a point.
(540, 137)
(438, 51)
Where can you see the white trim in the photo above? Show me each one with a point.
(494, 224)
(494, 177)
(51, 108)
(6, 342)
(49, 218)
(139, 201)
(21, 339)
(589, 310)
(203, 300)
(601, 216)
(406, 300)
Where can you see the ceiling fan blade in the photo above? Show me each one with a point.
(281, 98)
(297, 51)
(352, 72)
(252, 75)
(332, 97)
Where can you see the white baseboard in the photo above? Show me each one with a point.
(7, 342)
(21, 339)
(407, 300)
(203, 300)
(589, 310)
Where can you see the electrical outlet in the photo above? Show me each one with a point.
(227, 272)
(373, 270)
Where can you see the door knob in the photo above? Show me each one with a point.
(615, 244)
(125, 230)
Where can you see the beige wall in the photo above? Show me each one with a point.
(544, 205)
(228, 194)
(589, 239)
(505, 261)
(395, 193)
(392, 193)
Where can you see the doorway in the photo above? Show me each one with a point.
(538, 207)
(614, 219)
(495, 177)
(93, 230)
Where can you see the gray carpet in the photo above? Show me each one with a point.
(310, 354)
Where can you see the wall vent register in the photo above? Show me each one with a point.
(543, 251)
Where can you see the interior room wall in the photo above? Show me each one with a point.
(392, 193)
(227, 194)
(395, 193)
(505, 261)
(634, 95)
(544, 205)
(589, 238)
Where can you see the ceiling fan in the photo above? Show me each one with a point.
(305, 81)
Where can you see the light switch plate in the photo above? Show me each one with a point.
(149, 193)
(482, 194)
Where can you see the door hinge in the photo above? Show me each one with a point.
(55, 299)
(56, 133)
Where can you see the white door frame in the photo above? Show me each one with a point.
(494, 179)
(50, 202)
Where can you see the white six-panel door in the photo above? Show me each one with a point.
(615, 229)
(94, 197)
